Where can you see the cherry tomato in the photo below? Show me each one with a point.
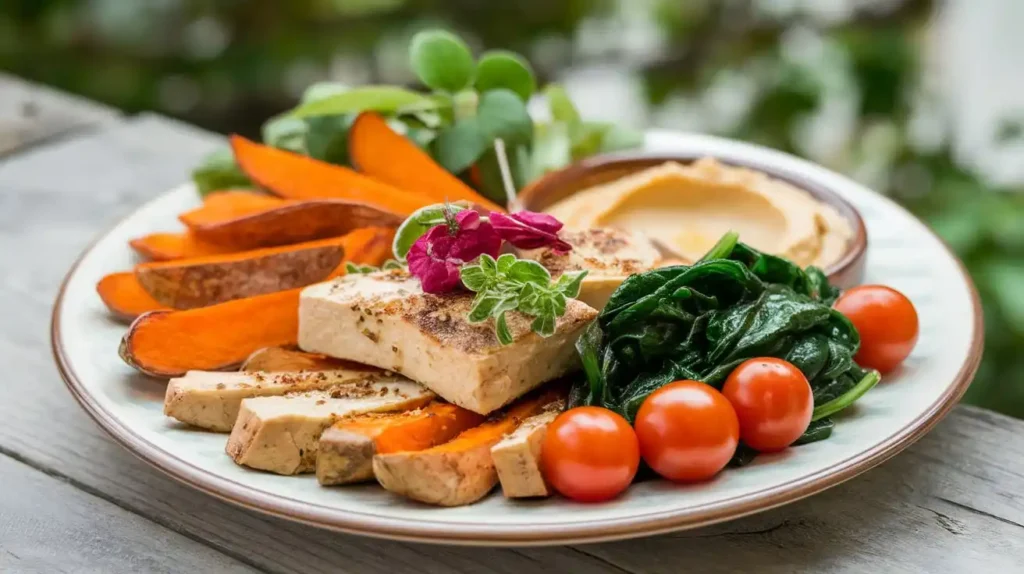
(589, 454)
(687, 430)
(886, 321)
(773, 401)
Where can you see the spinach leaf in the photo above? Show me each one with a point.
(700, 322)
(820, 429)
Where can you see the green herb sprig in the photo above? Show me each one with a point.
(510, 284)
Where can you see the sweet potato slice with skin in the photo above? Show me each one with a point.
(380, 152)
(171, 246)
(295, 176)
(460, 471)
(347, 448)
(291, 222)
(169, 343)
(226, 205)
(125, 297)
(275, 359)
(205, 281)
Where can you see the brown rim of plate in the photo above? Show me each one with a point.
(647, 524)
(557, 185)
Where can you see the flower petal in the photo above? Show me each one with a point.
(541, 221)
(516, 231)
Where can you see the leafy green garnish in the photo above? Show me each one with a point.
(700, 322)
(503, 69)
(441, 60)
(511, 284)
(219, 171)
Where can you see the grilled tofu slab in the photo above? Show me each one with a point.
(384, 319)
(609, 255)
(517, 456)
(281, 434)
(210, 399)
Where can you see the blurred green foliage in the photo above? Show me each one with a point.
(846, 90)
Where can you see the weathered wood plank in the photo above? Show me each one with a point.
(30, 113)
(49, 526)
(951, 502)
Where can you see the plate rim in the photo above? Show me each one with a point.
(322, 516)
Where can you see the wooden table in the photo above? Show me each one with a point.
(73, 501)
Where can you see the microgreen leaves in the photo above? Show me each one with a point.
(510, 284)
(441, 60)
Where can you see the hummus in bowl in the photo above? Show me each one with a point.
(686, 204)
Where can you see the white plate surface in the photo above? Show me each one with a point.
(903, 253)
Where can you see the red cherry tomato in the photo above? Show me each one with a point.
(589, 454)
(886, 321)
(773, 401)
(687, 430)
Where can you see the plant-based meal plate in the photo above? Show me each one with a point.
(903, 254)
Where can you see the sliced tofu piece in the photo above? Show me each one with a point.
(460, 471)
(347, 448)
(210, 399)
(384, 319)
(281, 434)
(284, 359)
(608, 255)
(517, 456)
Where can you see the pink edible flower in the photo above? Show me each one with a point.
(437, 256)
(529, 230)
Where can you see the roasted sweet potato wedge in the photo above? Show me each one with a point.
(347, 448)
(169, 343)
(460, 471)
(170, 246)
(288, 221)
(226, 205)
(205, 281)
(125, 297)
(293, 176)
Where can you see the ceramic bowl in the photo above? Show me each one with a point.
(847, 271)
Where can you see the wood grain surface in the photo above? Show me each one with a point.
(72, 500)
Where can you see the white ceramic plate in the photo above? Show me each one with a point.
(902, 253)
